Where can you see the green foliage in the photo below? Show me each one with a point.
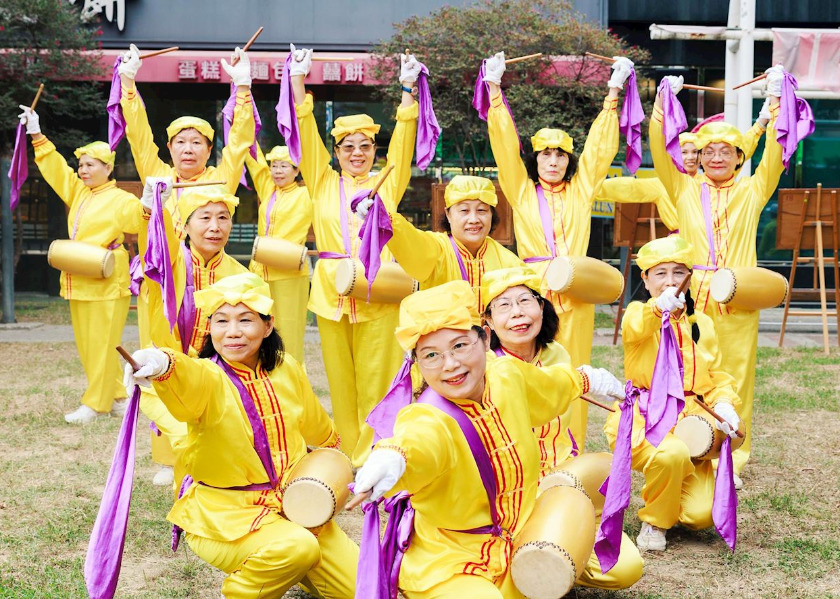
(452, 42)
(46, 43)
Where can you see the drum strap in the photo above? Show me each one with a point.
(463, 268)
(186, 314)
(706, 202)
(268, 212)
(345, 227)
(547, 226)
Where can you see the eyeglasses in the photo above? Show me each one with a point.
(459, 351)
(350, 148)
(526, 302)
(725, 154)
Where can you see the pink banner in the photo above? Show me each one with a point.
(812, 56)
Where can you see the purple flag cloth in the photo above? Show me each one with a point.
(725, 502)
(428, 129)
(135, 275)
(375, 232)
(608, 539)
(630, 124)
(19, 169)
(157, 259)
(382, 417)
(227, 114)
(116, 121)
(287, 116)
(662, 406)
(379, 562)
(105, 549)
(795, 121)
(481, 98)
(673, 123)
(186, 313)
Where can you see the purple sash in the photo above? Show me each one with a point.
(463, 268)
(186, 314)
(158, 262)
(268, 210)
(548, 228)
(706, 203)
(345, 227)
(19, 167)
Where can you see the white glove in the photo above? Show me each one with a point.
(775, 76)
(30, 119)
(379, 473)
(153, 363)
(409, 69)
(668, 300)
(730, 417)
(130, 63)
(239, 73)
(603, 385)
(301, 61)
(764, 113)
(622, 67)
(675, 82)
(363, 207)
(495, 68)
(148, 197)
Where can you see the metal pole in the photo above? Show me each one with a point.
(8, 249)
(746, 59)
(732, 73)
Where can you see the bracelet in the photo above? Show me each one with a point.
(407, 90)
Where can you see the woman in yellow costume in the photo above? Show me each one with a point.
(285, 213)
(251, 414)
(722, 229)
(522, 324)
(463, 521)
(677, 489)
(551, 193)
(99, 214)
(354, 334)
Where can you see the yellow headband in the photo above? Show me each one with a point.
(189, 122)
(447, 306)
(496, 282)
(688, 138)
(99, 150)
(244, 288)
(665, 249)
(355, 123)
(718, 132)
(467, 187)
(194, 198)
(552, 138)
(280, 153)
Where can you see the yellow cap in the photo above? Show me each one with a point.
(717, 132)
(552, 138)
(354, 123)
(189, 122)
(195, 197)
(280, 153)
(665, 249)
(496, 282)
(467, 187)
(244, 288)
(99, 150)
(688, 138)
(447, 306)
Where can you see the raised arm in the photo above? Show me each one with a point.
(549, 390)
(504, 141)
(672, 179)
(260, 172)
(599, 149)
(418, 252)
(765, 180)
(57, 173)
(637, 190)
(188, 385)
(400, 153)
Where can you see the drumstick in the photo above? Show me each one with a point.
(684, 284)
(381, 181)
(746, 83)
(37, 97)
(197, 184)
(159, 52)
(704, 88)
(357, 499)
(715, 415)
(601, 57)
(127, 357)
(247, 45)
(521, 58)
(597, 403)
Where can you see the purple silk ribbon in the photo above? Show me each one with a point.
(662, 406)
(630, 124)
(227, 114)
(344, 222)
(135, 275)
(116, 120)
(608, 539)
(19, 168)
(461, 265)
(428, 129)
(157, 259)
(725, 502)
(673, 123)
(186, 313)
(375, 233)
(795, 121)
(385, 556)
(706, 204)
(481, 99)
(105, 549)
(547, 221)
(382, 417)
(287, 121)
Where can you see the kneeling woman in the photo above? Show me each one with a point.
(676, 488)
(522, 324)
(251, 413)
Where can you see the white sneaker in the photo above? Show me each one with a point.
(82, 415)
(119, 407)
(739, 484)
(651, 538)
(165, 477)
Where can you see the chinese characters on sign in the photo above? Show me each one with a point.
(261, 71)
(95, 7)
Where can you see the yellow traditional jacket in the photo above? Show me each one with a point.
(735, 208)
(97, 216)
(146, 153)
(220, 443)
(441, 475)
(324, 184)
(290, 218)
(570, 202)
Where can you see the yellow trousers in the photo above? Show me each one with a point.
(463, 586)
(575, 333)
(267, 562)
(98, 327)
(625, 573)
(290, 297)
(360, 360)
(737, 335)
